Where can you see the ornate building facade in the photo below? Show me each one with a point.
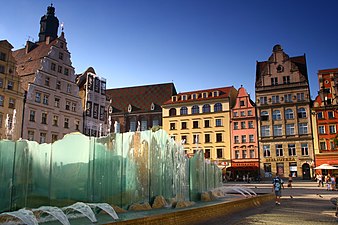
(244, 140)
(201, 121)
(325, 119)
(283, 108)
(11, 95)
(52, 105)
(94, 101)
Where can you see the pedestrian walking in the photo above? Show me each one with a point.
(328, 182)
(333, 183)
(277, 185)
(290, 181)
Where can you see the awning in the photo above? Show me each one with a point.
(326, 167)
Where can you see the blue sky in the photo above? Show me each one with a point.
(197, 44)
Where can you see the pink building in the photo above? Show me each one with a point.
(244, 142)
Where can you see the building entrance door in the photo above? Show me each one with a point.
(306, 171)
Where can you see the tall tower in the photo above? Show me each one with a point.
(49, 25)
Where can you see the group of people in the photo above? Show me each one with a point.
(329, 181)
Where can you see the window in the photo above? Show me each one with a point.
(58, 85)
(265, 131)
(276, 115)
(53, 66)
(61, 55)
(38, 97)
(321, 129)
(301, 113)
(266, 151)
(249, 113)
(55, 120)
(45, 99)
(279, 150)
(236, 139)
(2, 69)
(59, 69)
(172, 126)
(251, 138)
(67, 105)
(32, 116)
(11, 103)
(322, 145)
(250, 124)
(89, 109)
(289, 114)
(264, 116)
(218, 122)
(54, 138)
(332, 129)
(195, 139)
(10, 85)
(286, 79)
(242, 113)
(194, 124)
(31, 135)
(330, 114)
(77, 125)
(66, 72)
(277, 130)
(47, 81)
(218, 107)
(290, 129)
(235, 125)
(241, 103)
(244, 154)
(184, 97)
(1, 82)
(184, 125)
(219, 153)
(103, 87)
(303, 128)
(267, 168)
(184, 139)
(252, 153)
(194, 96)
(43, 137)
(102, 112)
(300, 97)
(74, 107)
(69, 88)
(66, 123)
(195, 109)
(207, 153)
(206, 108)
(305, 149)
(236, 154)
(332, 145)
(204, 94)
(207, 138)
(206, 123)
(288, 98)
(215, 93)
(275, 99)
(274, 81)
(264, 100)
(2, 56)
(44, 118)
(1, 100)
(243, 138)
(292, 149)
(243, 125)
(57, 102)
(172, 112)
(320, 115)
(219, 137)
(235, 114)
(144, 125)
(184, 110)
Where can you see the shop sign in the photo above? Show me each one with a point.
(243, 164)
(280, 159)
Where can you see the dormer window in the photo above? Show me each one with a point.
(215, 93)
(194, 96)
(129, 108)
(110, 109)
(174, 98)
(280, 69)
(204, 94)
(184, 97)
(152, 107)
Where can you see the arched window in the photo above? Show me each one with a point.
(218, 107)
(276, 115)
(184, 110)
(289, 114)
(206, 108)
(195, 109)
(301, 113)
(172, 112)
(264, 116)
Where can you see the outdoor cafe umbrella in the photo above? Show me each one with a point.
(326, 167)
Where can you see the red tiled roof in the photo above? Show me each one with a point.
(224, 92)
(140, 97)
(28, 64)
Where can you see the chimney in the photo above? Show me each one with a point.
(29, 46)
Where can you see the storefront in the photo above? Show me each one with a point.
(242, 171)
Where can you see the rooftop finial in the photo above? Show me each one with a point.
(62, 26)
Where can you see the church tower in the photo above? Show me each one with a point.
(49, 25)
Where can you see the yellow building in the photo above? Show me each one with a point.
(201, 121)
(11, 95)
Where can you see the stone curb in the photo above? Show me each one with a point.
(199, 214)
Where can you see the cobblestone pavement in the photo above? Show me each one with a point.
(305, 203)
